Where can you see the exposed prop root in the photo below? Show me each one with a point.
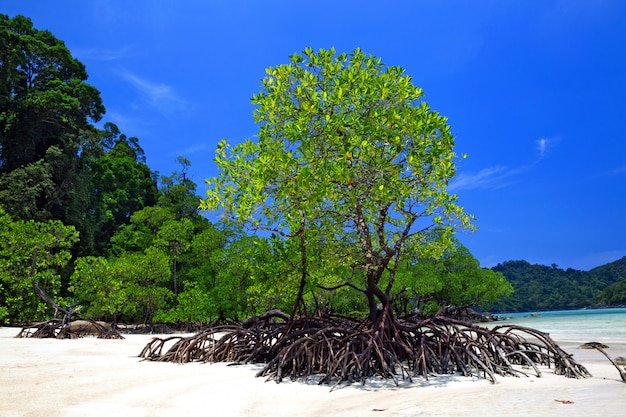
(60, 329)
(339, 351)
(599, 347)
(43, 330)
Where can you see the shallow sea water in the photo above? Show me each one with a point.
(599, 325)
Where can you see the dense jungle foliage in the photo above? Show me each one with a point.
(540, 287)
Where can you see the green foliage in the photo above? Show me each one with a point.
(4, 312)
(614, 295)
(615, 274)
(216, 274)
(140, 233)
(348, 174)
(122, 183)
(45, 110)
(346, 154)
(540, 287)
(131, 287)
(274, 281)
(98, 285)
(342, 301)
(21, 189)
(54, 164)
(43, 93)
(456, 279)
(236, 266)
(207, 271)
(179, 193)
(169, 223)
(175, 238)
(195, 305)
(31, 252)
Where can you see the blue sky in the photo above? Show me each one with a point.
(535, 93)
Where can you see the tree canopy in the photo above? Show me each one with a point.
(455, 279)
(346, 181)
(54, 163)
(31, 257)
(347, 153)
(45, 112)
(43, 93)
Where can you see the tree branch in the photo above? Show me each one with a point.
(336, 287)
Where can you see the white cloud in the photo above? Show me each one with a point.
(499, 176)
(488, 178)
(545, 145)
(102, 54)
(128, 124)
(160, 96)
(541, 147)
(194, 149)
(616, 171)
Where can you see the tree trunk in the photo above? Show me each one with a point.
(67, 312)
(376, 298)
(44, 296)
(175, 278)
(303, 265)
(372, 305)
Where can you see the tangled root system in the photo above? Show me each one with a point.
(344, 351)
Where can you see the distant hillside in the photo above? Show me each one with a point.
(540, 287)
(614, 294)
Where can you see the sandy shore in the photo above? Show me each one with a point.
(93, 377)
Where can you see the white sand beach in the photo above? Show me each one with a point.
(94, 377)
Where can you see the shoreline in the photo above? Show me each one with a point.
(97, 377)
(615, 307)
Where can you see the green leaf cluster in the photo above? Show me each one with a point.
(427, 284)
(31, 252)
(129, 287)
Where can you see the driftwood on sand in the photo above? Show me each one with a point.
(66, 327)
(345, 351)
(60, 329)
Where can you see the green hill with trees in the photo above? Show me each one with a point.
(615, 293)
(540, 287)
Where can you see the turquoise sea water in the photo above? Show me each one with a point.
(607, 324)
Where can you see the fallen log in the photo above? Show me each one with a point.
(59, 329)
(80, 328)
